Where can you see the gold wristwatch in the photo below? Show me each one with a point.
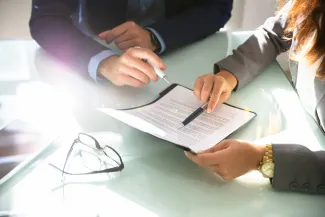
(267, 164)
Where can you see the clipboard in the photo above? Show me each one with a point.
(164, 93)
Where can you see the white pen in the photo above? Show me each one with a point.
(159, 72)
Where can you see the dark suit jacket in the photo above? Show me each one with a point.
(296, 167)
(186, 21)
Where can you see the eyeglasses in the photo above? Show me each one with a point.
(90, 158)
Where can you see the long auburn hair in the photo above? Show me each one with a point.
(307, 18)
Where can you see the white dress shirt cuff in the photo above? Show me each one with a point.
(95, 61)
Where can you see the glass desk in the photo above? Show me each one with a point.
(158, 180)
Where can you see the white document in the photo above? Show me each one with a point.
(163, 118)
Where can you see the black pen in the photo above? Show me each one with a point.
(194, 115)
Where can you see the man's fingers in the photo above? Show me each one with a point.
(135, 73)
(146, 54)
(147, 69)
(103, 35)
(119, 31)
(198, 87)
(116, 32)
(110, 36)
(126, 44)
(124, 37)
(141, 66)
(130, 81)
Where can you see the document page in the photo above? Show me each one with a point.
(163, 119)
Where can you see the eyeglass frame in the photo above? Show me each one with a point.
(99, 148)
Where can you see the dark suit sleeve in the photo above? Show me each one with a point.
(199, 21)
(299, 169)
(51, 26)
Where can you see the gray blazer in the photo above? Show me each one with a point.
(296, 167)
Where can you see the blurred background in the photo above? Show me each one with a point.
(247, 15)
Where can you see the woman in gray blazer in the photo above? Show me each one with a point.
(299, 27)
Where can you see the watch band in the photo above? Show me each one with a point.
(155, 41)
(268, 161)
(216, 68)
(268, 155)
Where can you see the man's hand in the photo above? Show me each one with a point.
(128, 35)
(130, 69)
(214, 88)
(230, 158)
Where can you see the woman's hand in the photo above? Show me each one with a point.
(230, 158)
(214, 88)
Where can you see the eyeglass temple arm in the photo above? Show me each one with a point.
(67, 157)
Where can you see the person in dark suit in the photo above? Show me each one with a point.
(299, 28)
(67, 28)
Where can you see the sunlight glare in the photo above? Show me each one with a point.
(46, 107)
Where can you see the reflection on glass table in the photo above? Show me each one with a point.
(86, 156)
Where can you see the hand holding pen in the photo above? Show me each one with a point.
(129, 69)
(159, 72)
(212, 90)
(156, 69)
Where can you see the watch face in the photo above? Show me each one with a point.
(268, 169)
